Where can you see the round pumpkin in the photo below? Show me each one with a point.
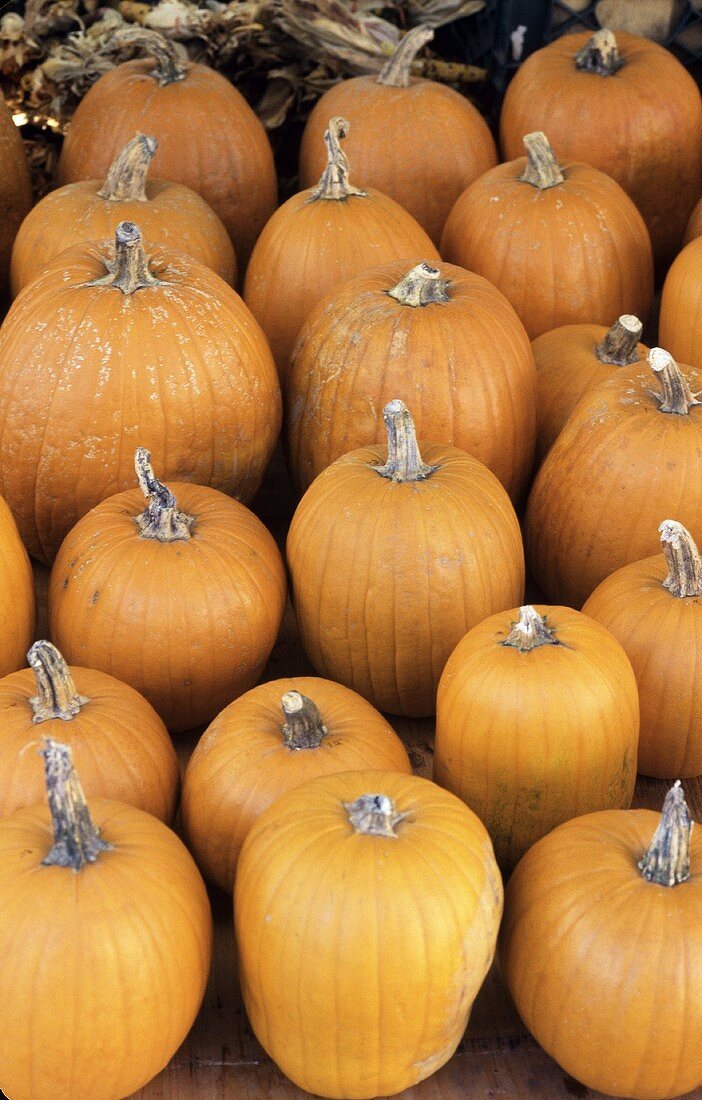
(624, 105)
(442, 339)
(90, 210)
(209, 138)
(118, 742)
(537, 721)
(600, 948)
(105, 944)
(17, 600)
(680, 321)
(115, 345)
(15, 190)
(318, 239)
(393, 556)
(565, 244)
(366, 910)
(416, 140)
(273, 738)
(182, 600)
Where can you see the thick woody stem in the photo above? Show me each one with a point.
(542, 168)
(530, 631)
(304, 728)
(76, 840)
(374, 815)
(129, 271)
(682, 558)
(675, 395)
(599, 55)
(667, 861)
(421, 286)
(169, 65)
(334, 183)
(404, 460)
(618, 348)
(161, 519)
(126, 178)
(56, 693)
(396, 71)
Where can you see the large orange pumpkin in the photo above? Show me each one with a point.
(17, 601)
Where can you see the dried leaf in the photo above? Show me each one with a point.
(436, 13)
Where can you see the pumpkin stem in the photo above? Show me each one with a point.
(675, 394)
(395, 73)
(421, 286)
(599, 55)
(56, 693)
(682, 558)
(126, 177)
(304, 728)
(129, 271)
(160, 519)
(667, 861)
(530, 631)
(618, 347)
(542, 168)
(169, 65)
(76, 840)
(334, 183)
(404, 460)
(374, 815)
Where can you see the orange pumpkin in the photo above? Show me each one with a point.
(17, 601)
(15, 190)
(565, 244)
(680, 325)
(168, 214)
(366, 909)
(182, 600)
(442, 339)
(600, 947)
(537, 721)
(208, 136)
(318, 239)
(105, 944)
(416, 140)
(273, 738)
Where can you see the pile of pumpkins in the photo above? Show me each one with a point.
(429, 328)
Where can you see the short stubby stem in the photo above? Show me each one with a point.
(161, 518)
(600, 54)
(682, 558)
(530, 631)
(542, 169)
(303, 728)
(129, 271)
(374, 815)
(126, 178)
(404, 460)
(334, 183)
(667, 860)
(421, 286)
(56, 693)
(675, 395)
(76, 839)
(619, 346)
(397, 70)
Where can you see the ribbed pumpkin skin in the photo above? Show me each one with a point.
(208, 139)
(241, 764)
(308, 248)
(87, 374)
(388, 576)
(17, 600)
(617, 469)
(15, 190)
(113, 962)
(642, 126)
(190, 624)
(463, 367)
(590, 950)
(421, 145)
(375, 947)
(680, 322)
(173, 216)
(566, 368)
(662, 636)
(120, 746)
(575, 253)
(560, 742)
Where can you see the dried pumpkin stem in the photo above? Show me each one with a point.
(395, 73)
(421, 286)
(169, 67)
(675, 394)
(404, 460)
(129, 271)
(76, 840)
(618, 347)
(161, 519)
(126, 178)
(599, 55)
(304, 728)
(667, 861)
(682, 558)
(542, 168)
(334, 184)
(530, 631)
(56, 693)
(374, 815)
